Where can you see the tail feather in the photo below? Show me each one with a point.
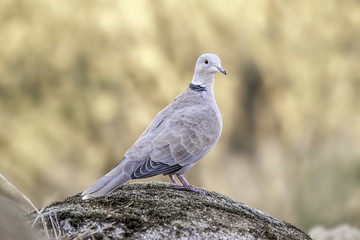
(114, 179)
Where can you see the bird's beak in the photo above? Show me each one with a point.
(221, 70)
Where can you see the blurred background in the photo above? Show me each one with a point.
(81, 80)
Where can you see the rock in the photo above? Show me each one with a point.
(158, 211)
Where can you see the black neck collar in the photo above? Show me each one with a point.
(197, 88)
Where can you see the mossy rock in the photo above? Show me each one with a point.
(158, 211)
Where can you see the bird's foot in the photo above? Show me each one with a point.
(185, 184)
(189, 187)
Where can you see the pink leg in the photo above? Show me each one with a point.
(173, 180)
(186, 185)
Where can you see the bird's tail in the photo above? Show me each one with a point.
(112, 180)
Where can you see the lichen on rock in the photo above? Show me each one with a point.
(158, 211)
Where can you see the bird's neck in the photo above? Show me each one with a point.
(203, 82)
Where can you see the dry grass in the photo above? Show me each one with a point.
(39, 215)
(56, 231)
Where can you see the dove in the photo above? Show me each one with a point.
(179, 135)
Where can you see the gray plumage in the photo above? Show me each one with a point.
(179, 136)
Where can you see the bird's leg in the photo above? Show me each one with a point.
(173, 180)
(186, 185)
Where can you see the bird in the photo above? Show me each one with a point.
(179, 136)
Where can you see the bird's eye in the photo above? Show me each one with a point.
(206, 61)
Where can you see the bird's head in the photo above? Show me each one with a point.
(208, 64)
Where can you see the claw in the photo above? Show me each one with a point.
(185, 185)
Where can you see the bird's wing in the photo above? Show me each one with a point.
(185, 137)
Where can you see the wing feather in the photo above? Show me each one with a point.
(183, 139)
(150, 168)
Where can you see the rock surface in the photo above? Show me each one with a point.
(158, 211)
